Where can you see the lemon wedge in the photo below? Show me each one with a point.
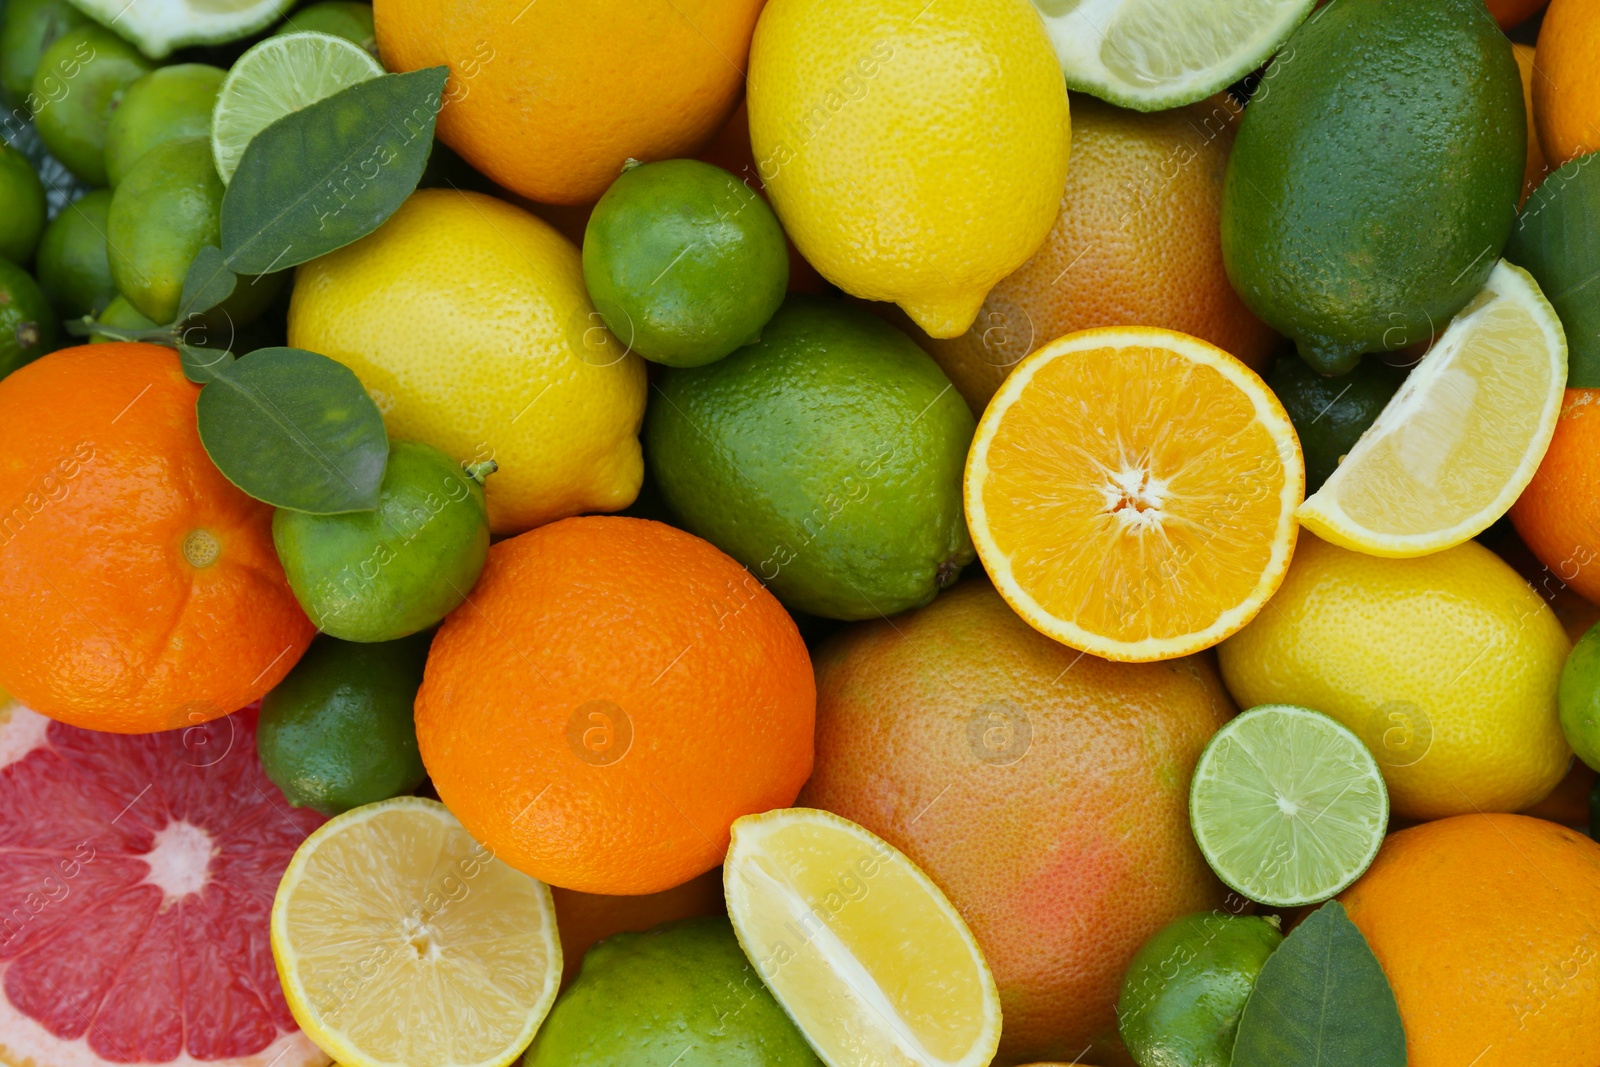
(1463, 436)
(402, 941)
(863, 951)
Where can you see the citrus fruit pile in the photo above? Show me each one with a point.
(782, 533)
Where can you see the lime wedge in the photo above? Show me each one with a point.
(1155, 54)
(277, 77)
(157, 27)
(1287, 805)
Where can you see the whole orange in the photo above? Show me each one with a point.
(139, 589)
(1044, 790)
(613, 694)
(1137, 243)
(1558, 515)
(1485, 926)
(1566, 84)
(550, 99)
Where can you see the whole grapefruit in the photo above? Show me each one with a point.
(1044, 790)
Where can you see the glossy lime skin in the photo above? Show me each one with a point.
(338, 732)
(28, 326)
(168, 104)
(1186, 988)
(79, 84)
(27, 29)
(22, 206)
(1579, 697)
(74, 270)
(380, 575)
(1331, 414)
(1375, 176)
(679, 995)
(167, 208)
(684, 261)
(339, 18)
(827, 458)
(122, 315)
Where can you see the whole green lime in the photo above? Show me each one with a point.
(22, 193)
(27, 321)
(1579, 697)
(1186, 988)
(826, 458)
(27, 30)
(79, 84)
(679, 995)
(73, 268)
(684, 261)
(1375, 176)
(1331, 414)
(167, 208)
(338, 731)
(341, 18)
(168, 104)
(379, 575)
(121, 315)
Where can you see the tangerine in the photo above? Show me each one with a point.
(1566, 88)
(1558, 514)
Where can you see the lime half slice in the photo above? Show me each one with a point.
(1287, 805)
(1155, 54)
(277, 77)
(157, 27)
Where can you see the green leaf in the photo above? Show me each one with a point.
(1556, 240)
(208, 283)
(203, 364)
(1321, 1000)
(329, 174)
(296, 430)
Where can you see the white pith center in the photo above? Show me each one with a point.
(1288, 807)
(1135, 498)
(180, 860)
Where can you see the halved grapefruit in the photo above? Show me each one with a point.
(136, 881)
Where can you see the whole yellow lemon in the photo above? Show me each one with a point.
(914, 151)
(1446, 665)
(467, 320)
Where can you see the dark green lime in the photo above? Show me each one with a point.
(1556, 240)
(338, 731)
(1375, 175)
(1186, 988)
(79, 83)
(122, 315)
(679, 995)
(27, 30)
(73, 269)
(378, 575)
(684, 261)
(1579, 698)
(166, 209)
(27, 321)
(22, 197)
(1331, 414)
(827, 458)
(168, 104)
(339, 18)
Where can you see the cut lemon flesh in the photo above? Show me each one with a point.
(1156, 54)
(278, 77)
(157, 27)
(1462, 438)
(1131, 492)
(863, 951)
(1287, 805)
(401, 941)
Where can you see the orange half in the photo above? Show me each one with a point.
(1131, 492)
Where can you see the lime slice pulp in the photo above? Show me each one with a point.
(156, 27)
(1156, 54)
(1287, 805)
(277, 77)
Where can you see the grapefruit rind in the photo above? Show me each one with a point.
(1267, 411)
(822, 906)
(1419, 415)
(509, 919)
